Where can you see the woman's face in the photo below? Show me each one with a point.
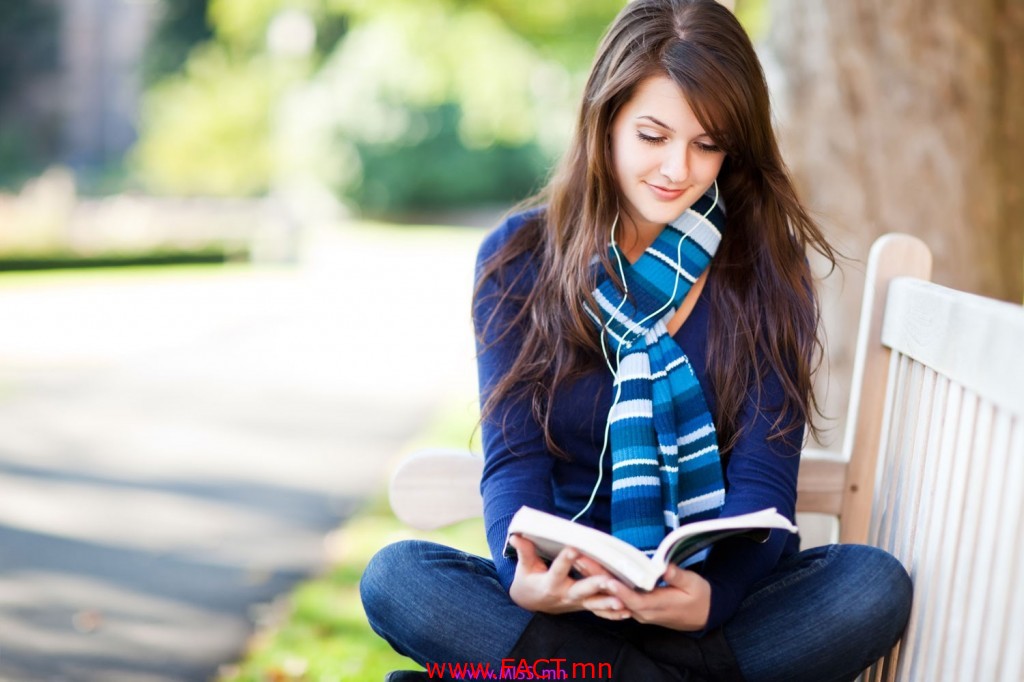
(662, 158)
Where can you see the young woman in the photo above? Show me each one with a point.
(647, 337)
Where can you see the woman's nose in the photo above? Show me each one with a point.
(675, 167)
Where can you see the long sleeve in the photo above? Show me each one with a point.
(517, 463)
(761, 473)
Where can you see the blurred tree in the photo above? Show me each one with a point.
(754, 15)
(28, 50)
(906, 116)
(404, 84)
(439, 170)
(407, 102)
(182, 26)
(28, 43)
(242, 25)
(437, 107)
(208, 128)
(207, 131)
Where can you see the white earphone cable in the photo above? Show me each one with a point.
(618, 349)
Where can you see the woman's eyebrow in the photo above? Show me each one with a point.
(667, 126)
(657, 122)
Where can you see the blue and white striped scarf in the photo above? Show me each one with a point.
(666, 468)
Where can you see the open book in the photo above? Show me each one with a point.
(550, 533)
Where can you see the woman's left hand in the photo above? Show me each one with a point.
(683, 604)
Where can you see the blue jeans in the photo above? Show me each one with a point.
(824, 614)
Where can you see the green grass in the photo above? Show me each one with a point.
(324, 636)
(73, 261)
(381, 233)
(57, 278)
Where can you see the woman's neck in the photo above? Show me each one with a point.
(635, 236)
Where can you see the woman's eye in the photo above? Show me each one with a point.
(649, 139)
(708, 148)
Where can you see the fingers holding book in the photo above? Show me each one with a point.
(605, 605)
(539, 587)
(587, 567)
(683, 603)
(592, 590)
(558, 588)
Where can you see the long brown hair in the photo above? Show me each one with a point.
(762, 297)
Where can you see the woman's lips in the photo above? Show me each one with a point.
(665, 194)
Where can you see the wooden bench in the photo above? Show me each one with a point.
(932, 469)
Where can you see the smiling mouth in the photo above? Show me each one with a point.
(664, 192)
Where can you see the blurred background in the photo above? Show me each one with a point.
(236, 257)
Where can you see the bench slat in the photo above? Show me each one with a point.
(950, 510)
(931, 534)
(974, 341)
(937, 591)
(1010, 562)
(993, 548)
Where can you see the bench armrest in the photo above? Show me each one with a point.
(819, 488)
(437, 487)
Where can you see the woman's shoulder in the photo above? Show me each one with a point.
(506, 230)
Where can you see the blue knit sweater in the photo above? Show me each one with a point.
(519, 469)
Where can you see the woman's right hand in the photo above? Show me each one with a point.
(550, 589)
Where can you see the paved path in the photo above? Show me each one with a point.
(173, 449)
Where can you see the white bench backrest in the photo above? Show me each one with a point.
(949, 496)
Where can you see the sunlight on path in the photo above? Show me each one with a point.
(175, 445)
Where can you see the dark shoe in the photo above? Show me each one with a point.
(405, 676)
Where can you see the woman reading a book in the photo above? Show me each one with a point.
(647, 335)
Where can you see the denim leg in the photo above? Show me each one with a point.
(437, 604)
(824, 615)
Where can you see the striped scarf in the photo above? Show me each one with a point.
(665, 464)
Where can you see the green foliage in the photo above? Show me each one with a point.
(419, 104)
(208, 129)
(402, 104)
(753, 14)
(566, 30)
(20, 158)
(28, 49)
(438, 170)
(432, 106)
(242, 24)
(487, 59)
(182, 26)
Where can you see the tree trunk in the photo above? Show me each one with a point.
(904, 116)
